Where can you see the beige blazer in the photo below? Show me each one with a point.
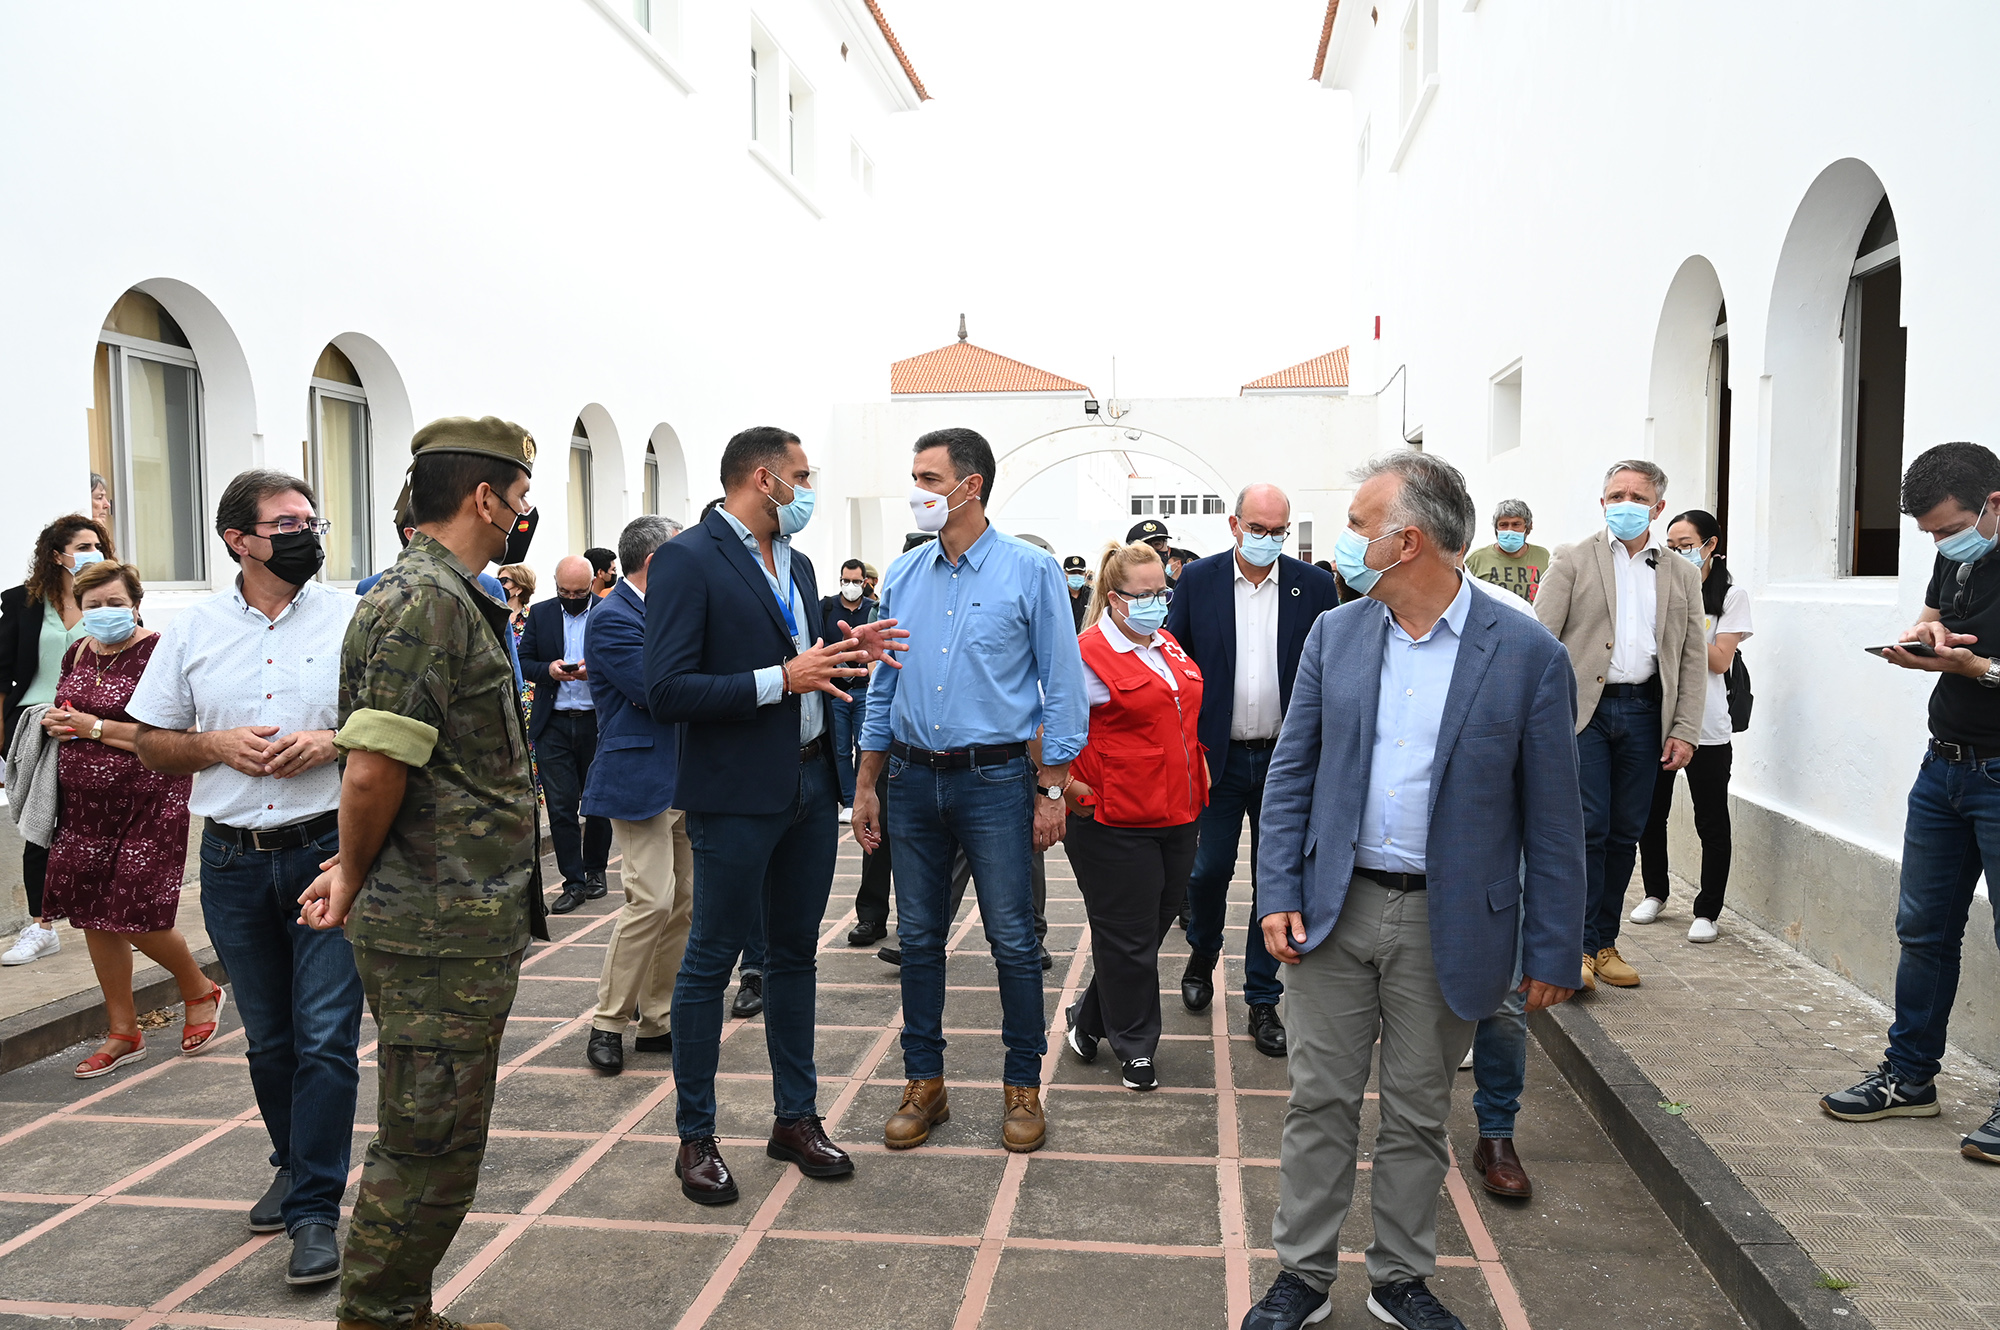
(1578, 602)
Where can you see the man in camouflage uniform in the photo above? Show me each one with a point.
(438, 881)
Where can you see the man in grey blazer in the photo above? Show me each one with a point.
(1421, 814)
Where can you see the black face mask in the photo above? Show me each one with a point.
(520, 532)
(295, 557)
(574, 604)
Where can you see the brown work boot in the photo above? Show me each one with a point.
(924, 1106)
(1589, 973)
(1500, 1169)
(1023, 1128)
(1613, 970)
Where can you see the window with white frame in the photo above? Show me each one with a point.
(1142, 505)
(759, 60)
(146, 440)
(1416, 70)
(642, 13)
(799, 156)
(861, 167)
(338, 464)
(1503, 429)
(1190, 504)
(1361, 150)
(1211, 505)
(1875, 344)
(579, 489)
(652, 480)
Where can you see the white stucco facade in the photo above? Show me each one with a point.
(1554, 200)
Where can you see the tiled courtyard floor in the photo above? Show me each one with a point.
(122, 1200)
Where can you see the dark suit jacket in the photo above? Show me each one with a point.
(711, 622)
(542, 645)
(632, 777)
(20, 652)
(1505, 843)
(1203, 620)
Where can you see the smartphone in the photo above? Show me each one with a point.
(1914, 648)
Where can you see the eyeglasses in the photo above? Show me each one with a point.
(291, 526)
(1283, 533)
(1963, 594)
(1165, 596)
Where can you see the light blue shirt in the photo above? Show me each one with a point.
(771, 679)
(992, 656)
(1416, 678)
(574, 695)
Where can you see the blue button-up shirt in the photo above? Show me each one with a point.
(992, 655)
(574, 696)
(771, 679)
(1416, 677)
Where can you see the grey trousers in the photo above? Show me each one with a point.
(1373, 973)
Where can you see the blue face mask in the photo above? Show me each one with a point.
(109, 623)
(1350, 553)
(84, 558)
(1145, 614)
(1262, 551)
(1627, 520)
(793, 516)
(1968, 546)
(1511, 541)
(1076, 581)
(1693, 555)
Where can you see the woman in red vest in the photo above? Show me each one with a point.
(1134, 793)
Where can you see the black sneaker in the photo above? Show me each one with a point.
(1984, 1144)
(1409, 1304)
(1884, 1094)
(1081, 1044)
(749, 997)
(1290, 1303)
(1139, 1074)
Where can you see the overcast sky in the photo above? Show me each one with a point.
(1156, 180)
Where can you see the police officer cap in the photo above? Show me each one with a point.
(489, 436)
(1148, 530)
(1075, 564)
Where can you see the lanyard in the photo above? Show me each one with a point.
(785, 608)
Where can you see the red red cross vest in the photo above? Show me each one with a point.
(1143, 761)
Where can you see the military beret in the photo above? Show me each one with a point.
(1075, 564)
(489, 436)
(1148, 530)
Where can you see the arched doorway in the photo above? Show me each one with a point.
(1688, 406)
(1077, 489)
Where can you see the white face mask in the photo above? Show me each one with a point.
(930, 511)
(851, 590)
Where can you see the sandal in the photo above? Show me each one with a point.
(194, 1038)
(103, 1062)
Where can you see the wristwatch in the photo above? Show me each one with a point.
(1990, 679)
(1053, 793)
(97, 730)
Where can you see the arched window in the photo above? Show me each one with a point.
(1875, 340)
(338, 464)
(145, 439)
(652, 480)
(579, 488)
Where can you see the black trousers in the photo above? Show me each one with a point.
(1133, 881)
(1708, 786)
(564, 753)
(34, 874)
(871, 902)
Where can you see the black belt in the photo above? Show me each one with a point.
(1648, 689)
(990, 756)
(1952, 752)
(1254, 745)
(808, 752)
(1397, 881)
(289, 837)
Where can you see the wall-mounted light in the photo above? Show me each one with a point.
(1090, 406)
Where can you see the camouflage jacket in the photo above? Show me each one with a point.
(425, 680)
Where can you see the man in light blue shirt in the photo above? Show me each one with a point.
(977, 732)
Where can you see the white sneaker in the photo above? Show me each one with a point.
(34, 943)
(846, 816)
(1647, 910)
(1703, 930)
(1467, 1064)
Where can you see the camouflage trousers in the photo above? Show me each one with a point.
(440, 1021)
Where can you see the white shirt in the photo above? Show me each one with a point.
(222, 664)
(1735, 618)
(1635, 648)
(573, 695)
(1409, 708)
(1254, 711)
(1096, 691)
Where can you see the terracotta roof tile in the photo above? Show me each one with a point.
(909, 70)
(1327, 371)
(965, 368)
(1325, 39)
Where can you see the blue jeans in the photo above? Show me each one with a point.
(987, 812)
(1236, 791)
(1618, 763)
(1500, 1066)
(782, 865)
(846, 726)
(299, 997)
(1951, 834)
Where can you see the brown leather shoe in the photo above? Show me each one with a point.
(1613, 970)
(804, 1142)
(704, 1177)
(1023, 1128)
(924, 1106)
(1502, 1169)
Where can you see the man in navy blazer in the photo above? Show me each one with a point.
(733, 655)
(1243, 615)
(632, 786)
(562, 725)
(1421, 818)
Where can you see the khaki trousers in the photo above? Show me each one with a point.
(652, 929)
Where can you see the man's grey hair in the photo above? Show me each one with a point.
(1513, 508)
(1644, 468)
(1433, 498)
(641, 536)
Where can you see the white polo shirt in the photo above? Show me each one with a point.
(222, 664)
